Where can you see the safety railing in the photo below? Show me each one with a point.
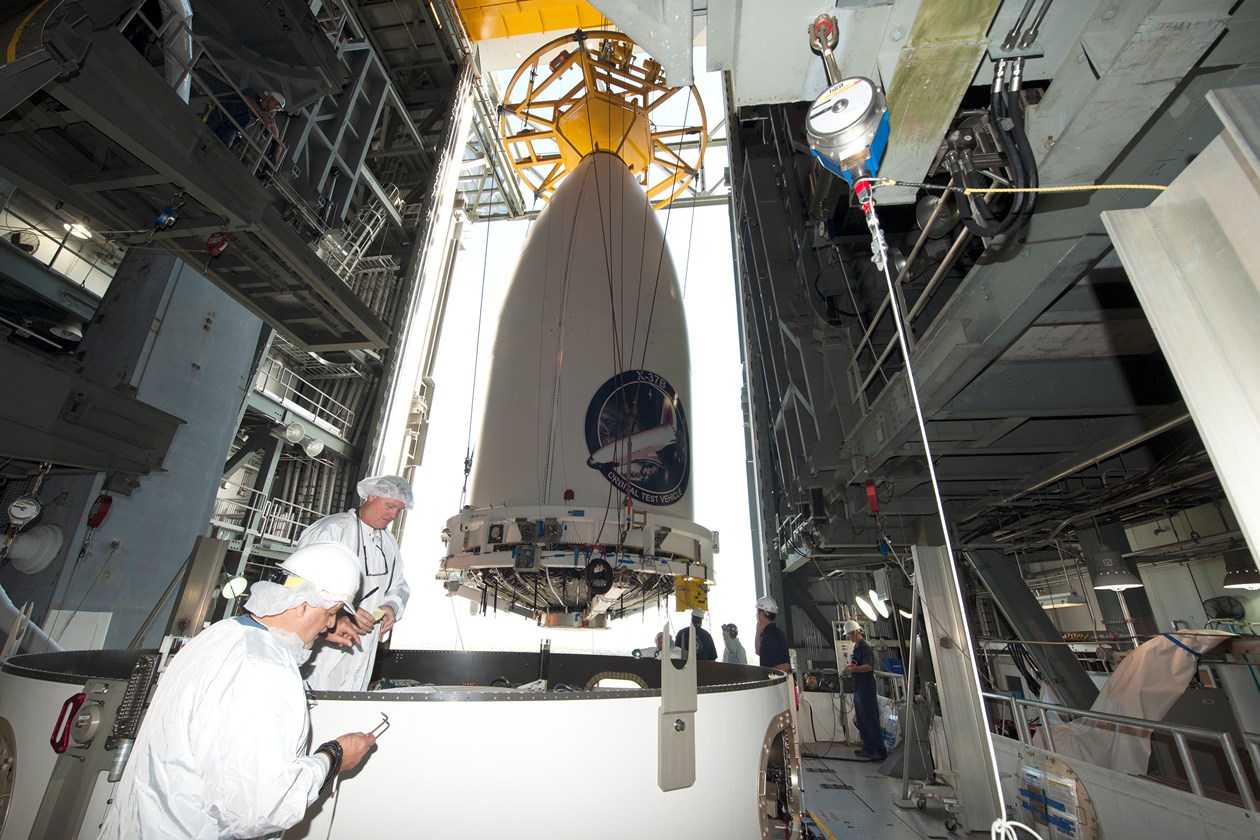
(891, 685)
(284, 521)
(250, 514)
(289, 388)
(866, 349)
(239, 513)
(1179, 734)
(203, 82)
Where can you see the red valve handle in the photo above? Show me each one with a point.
(60, 739)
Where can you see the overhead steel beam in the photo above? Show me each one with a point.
(1014, 283)
(1063, 672)
(53, 286)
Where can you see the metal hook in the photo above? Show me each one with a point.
(380, 728)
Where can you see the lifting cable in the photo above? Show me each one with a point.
(472, 394)
(879, 249)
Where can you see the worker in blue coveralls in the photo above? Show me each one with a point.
(865, 706)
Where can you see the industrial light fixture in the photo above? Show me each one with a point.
(77, 230)
(906, 614)
(312, 447)
(879, 603)
(1112, 574)
(293, 432)
(867, 609)
(1240, 570)
(1059, 600)
(71, 329)
(234, 587)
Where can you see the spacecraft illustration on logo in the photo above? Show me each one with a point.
(636, 431)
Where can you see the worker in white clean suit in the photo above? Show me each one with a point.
(732, 647)
(383, 589)
(222, 751)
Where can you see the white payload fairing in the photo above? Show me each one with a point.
(580, 505)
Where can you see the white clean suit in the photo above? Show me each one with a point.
(733, 650)
(222, 751)
(332, 667)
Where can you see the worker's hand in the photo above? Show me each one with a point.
(343, 632)
(354, 746)
(363, 621)
(848, 671)
(387, 620)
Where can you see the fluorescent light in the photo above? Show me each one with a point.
(78, 230)
(1060, 600)
(866, 608)
(905, 614)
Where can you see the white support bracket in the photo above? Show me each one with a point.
(675, 728)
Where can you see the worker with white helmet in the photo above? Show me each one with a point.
(706, 651)
(383, 590)
(222, 751)
(865, 704)
(770, 642)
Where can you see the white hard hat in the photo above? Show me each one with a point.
(279, 97)
(386, 487)
(767, 604)
(697, 613)
(850, 626)
(330, 566)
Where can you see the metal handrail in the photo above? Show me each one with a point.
(286, 385)
(284, 521)
(1179, 733)
(238, 514)
(867, 342)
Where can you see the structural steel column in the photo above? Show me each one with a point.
(966, 726)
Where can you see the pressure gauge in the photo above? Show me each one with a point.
(847, 127)
(23, 509)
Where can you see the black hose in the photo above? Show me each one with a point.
(1015, 108)
(1004, 107)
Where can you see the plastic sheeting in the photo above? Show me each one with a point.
(1145, 686)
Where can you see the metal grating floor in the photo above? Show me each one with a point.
(851, 799)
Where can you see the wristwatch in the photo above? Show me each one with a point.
(335, 753)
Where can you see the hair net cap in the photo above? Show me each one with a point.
(267, 598)
(387, 487)
(850, 626)
(767, 604)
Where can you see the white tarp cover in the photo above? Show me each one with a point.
(1144, 686)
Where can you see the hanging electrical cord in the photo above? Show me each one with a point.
(660, 262)
(472, 395)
